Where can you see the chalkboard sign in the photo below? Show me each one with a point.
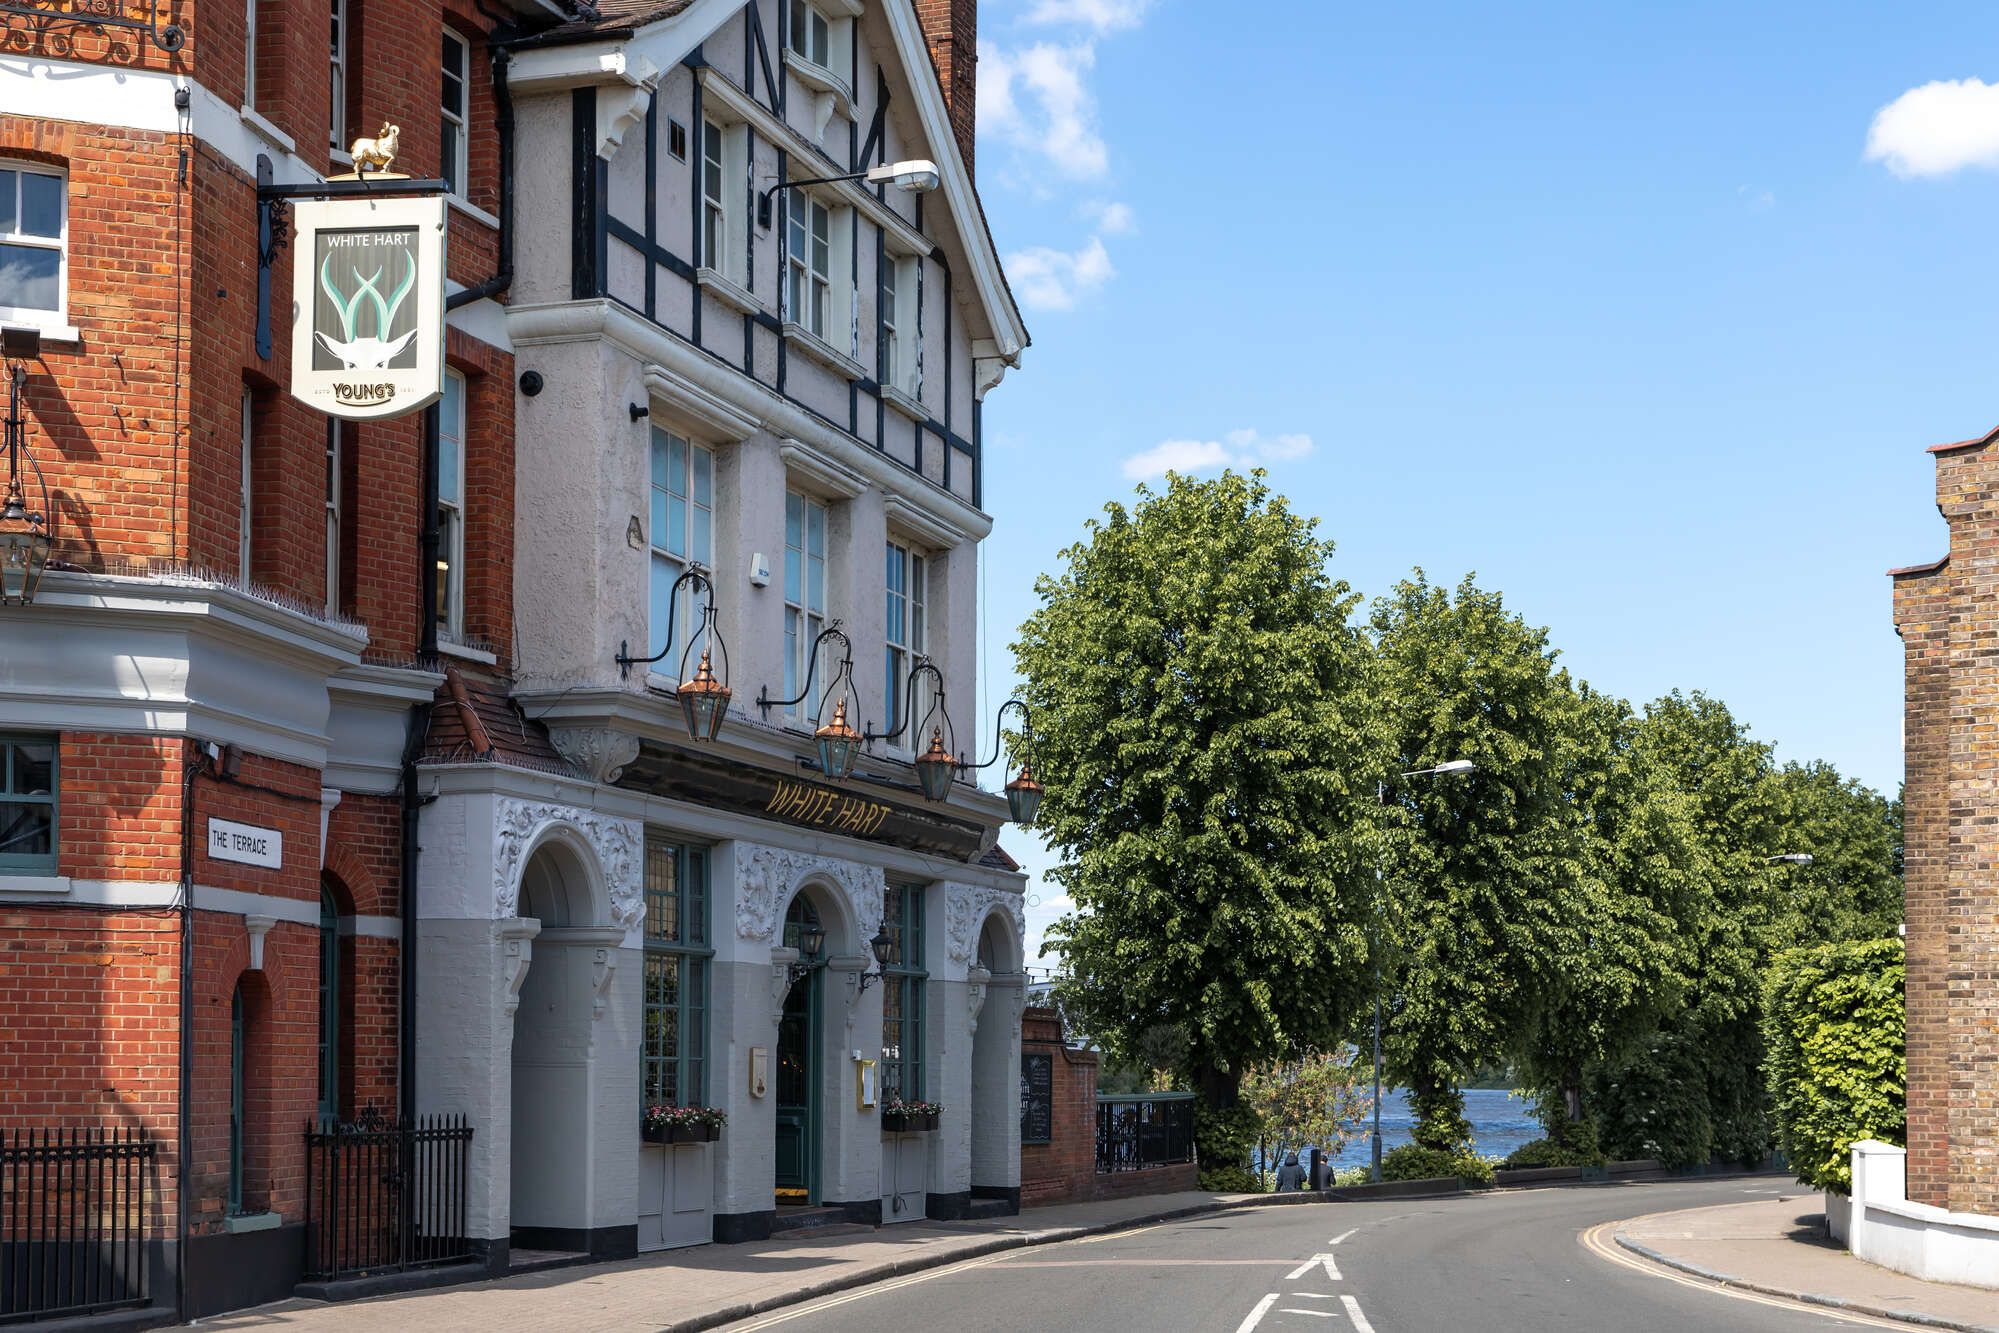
(1037, 1096)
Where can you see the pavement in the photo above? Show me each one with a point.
(1778, 1246)
(1704, 1254)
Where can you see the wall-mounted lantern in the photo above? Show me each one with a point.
(883, 947)
(24, 533)
(704, 696)
(937, 765)
(838, 744)
(1023, 793)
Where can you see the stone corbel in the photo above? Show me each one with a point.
(258, 926)
(622, 105)
(975, 992)
(781, 959)
(600, 752)
(516, 952)
(603, 964)
(848, 967)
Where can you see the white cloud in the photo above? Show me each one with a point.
(1112, 219)
(1239, 448)
(1045, 278)
(1099, 15)
(1938, 128)
(1755, 200)
(1038, 99)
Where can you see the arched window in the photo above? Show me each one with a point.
(329, 1004)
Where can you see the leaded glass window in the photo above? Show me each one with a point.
(674, 1045)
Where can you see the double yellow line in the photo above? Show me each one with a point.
(1598, 1240)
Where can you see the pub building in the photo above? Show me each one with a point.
(588, 737)
(719, 841)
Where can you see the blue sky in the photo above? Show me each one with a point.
(1644, 313)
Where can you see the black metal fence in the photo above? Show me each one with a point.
(381, 1197)
(73, 1221)
(1133, 1133)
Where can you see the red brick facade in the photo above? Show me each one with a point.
(1944, 613)
(137, 426)
(951, 27)
(1064, 1169)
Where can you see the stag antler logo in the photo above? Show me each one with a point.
(375, 353)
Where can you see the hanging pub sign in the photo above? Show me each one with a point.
(368, 305)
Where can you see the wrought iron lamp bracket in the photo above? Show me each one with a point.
(923, 666)
(999, 734)
(697, 577)
(846, 669)
(169, 38)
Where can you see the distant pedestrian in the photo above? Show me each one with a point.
(1290, 1176)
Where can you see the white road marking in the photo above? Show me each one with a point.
(1342, 1236)
(1316, 1261)
(1255, 1316)
(1360, 1324)
(1316, 1314)
(1313, 1296)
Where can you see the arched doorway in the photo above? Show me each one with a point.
(797, 1073)
(550, 1151)
(996, 1070)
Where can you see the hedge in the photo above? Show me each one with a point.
(1833, 1025)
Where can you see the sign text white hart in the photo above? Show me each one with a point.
(247, 843)
(368, 305)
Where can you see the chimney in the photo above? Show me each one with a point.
(951, 27)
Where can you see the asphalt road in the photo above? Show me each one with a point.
(1510, 1260)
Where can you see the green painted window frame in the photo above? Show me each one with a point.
(10, 747)
(678, 943)
(904, 979)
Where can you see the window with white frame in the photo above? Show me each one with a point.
(808, 260)
(683, 527)
(333, 516)
(34, 244)
(714, 211)
(811, 35)
(451, 509)
(244, 507)
(805, 522)
(905, 640)
(900, 327)
(336, 124)
(457, 77)
(722, 175)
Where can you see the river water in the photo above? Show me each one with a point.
(1500, 1123)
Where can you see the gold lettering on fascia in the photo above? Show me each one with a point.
(826, 809)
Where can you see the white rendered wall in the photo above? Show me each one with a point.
(1881, 1225)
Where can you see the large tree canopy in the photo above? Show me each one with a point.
(1201, 720)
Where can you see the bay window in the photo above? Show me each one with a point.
(682, 536)
(805, 521)
(808, 264)
(905, 636)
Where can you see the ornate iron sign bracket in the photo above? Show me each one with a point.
(274, 221)
(98, 15)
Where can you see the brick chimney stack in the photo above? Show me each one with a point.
(952, 29)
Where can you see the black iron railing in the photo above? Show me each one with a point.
(73, 1221)
(381, 1197)
(1155, 1129)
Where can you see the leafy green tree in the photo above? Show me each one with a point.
(1618, 955)
(1484, 868)
(1315, 1101)
(1853, 888)
(1202, 722)
(1838, 1068)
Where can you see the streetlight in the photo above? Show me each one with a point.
(1789, 859)
(1447, 768)
(918, 177)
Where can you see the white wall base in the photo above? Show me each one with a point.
(1880, 1225)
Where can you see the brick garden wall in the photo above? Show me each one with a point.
(1064, 1170)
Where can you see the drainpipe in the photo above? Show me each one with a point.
(184, 1113)
(503, 117)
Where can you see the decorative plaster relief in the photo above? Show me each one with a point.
(518, 825)
(603, 965)
(516, 952)
(601, 752)
(769, 876)
(966, 907)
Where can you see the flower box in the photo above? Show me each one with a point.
(908, 1122)
(679, 1133)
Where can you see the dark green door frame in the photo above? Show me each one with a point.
(798, 1109)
